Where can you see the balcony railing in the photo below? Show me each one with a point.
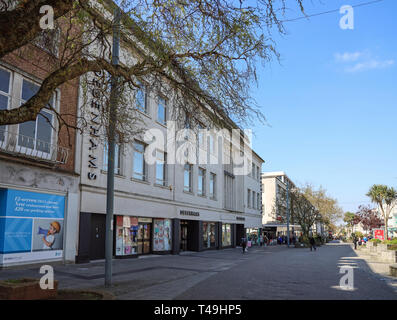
(18, 144)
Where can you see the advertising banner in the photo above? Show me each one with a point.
(379, 234)
(162, 235)
(31, 226)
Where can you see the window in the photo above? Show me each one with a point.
(161, 158)
(253, 170)
(139, 167)
(141, 98)
(36, 134)
(258, 203)
(209, 235)
(201, 137)
(5, 79)
(212, 143)
(212, 185)
(253, 199)
(201, 182)
(258, 174)
(187, 178)
(117, 157)
(162, 111)
(226, 235)
(249, 198)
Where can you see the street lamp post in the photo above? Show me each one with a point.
(111, 151)
(288, 213)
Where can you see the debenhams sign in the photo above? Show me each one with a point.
(189, 213)
(94, 126)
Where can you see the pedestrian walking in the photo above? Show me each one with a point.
(355, 242)
(312, 244)
(244, 244)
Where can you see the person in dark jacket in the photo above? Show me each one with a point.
(312, 244)
(244, 244)
(355, 242)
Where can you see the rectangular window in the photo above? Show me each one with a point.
(161, 158)
(258, 203)
(141, 98)
(212, 144)
(36, 134)
(249, 198)
(162, 111)
(5, 86)
(201, 182)
(187, 178)
(226, 235)
(139, 167)
(117, 157)
(253, 199)
(253, 170)
(212, 185)
(209, 235)
(201, 137)
(258, 174)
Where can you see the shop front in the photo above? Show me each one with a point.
(139, 235)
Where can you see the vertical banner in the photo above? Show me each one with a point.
(31, 226)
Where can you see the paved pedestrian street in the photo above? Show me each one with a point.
(274, 272)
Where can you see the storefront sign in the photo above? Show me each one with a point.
(147, 220)
(94, 126)
(189, 213)
(240, 218)
(31, 226)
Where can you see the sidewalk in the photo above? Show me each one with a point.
(381, 269)
(145, 277)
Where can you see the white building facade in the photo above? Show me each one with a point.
(183, 192)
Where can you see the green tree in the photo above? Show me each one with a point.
(349, 218)
(206, 50)
(386, 199)
(325, 204)
(302, 211)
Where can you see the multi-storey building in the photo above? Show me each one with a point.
(38, 185)
(274, 187)
(162, 204)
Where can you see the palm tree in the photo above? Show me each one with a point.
(386, 199)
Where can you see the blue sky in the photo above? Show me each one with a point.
(331, 102)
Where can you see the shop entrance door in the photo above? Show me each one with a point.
(183, 235)
(98, 233)
(144, 238)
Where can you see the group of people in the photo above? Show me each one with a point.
(265, 240)
(360, 240)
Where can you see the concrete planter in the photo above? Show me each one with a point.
(393, 270)
(25, 289)
(68, 294)
(381, 247)
(389, 256)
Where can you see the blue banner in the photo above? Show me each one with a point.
(30, 222)
(17, 203)
(16, 235)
